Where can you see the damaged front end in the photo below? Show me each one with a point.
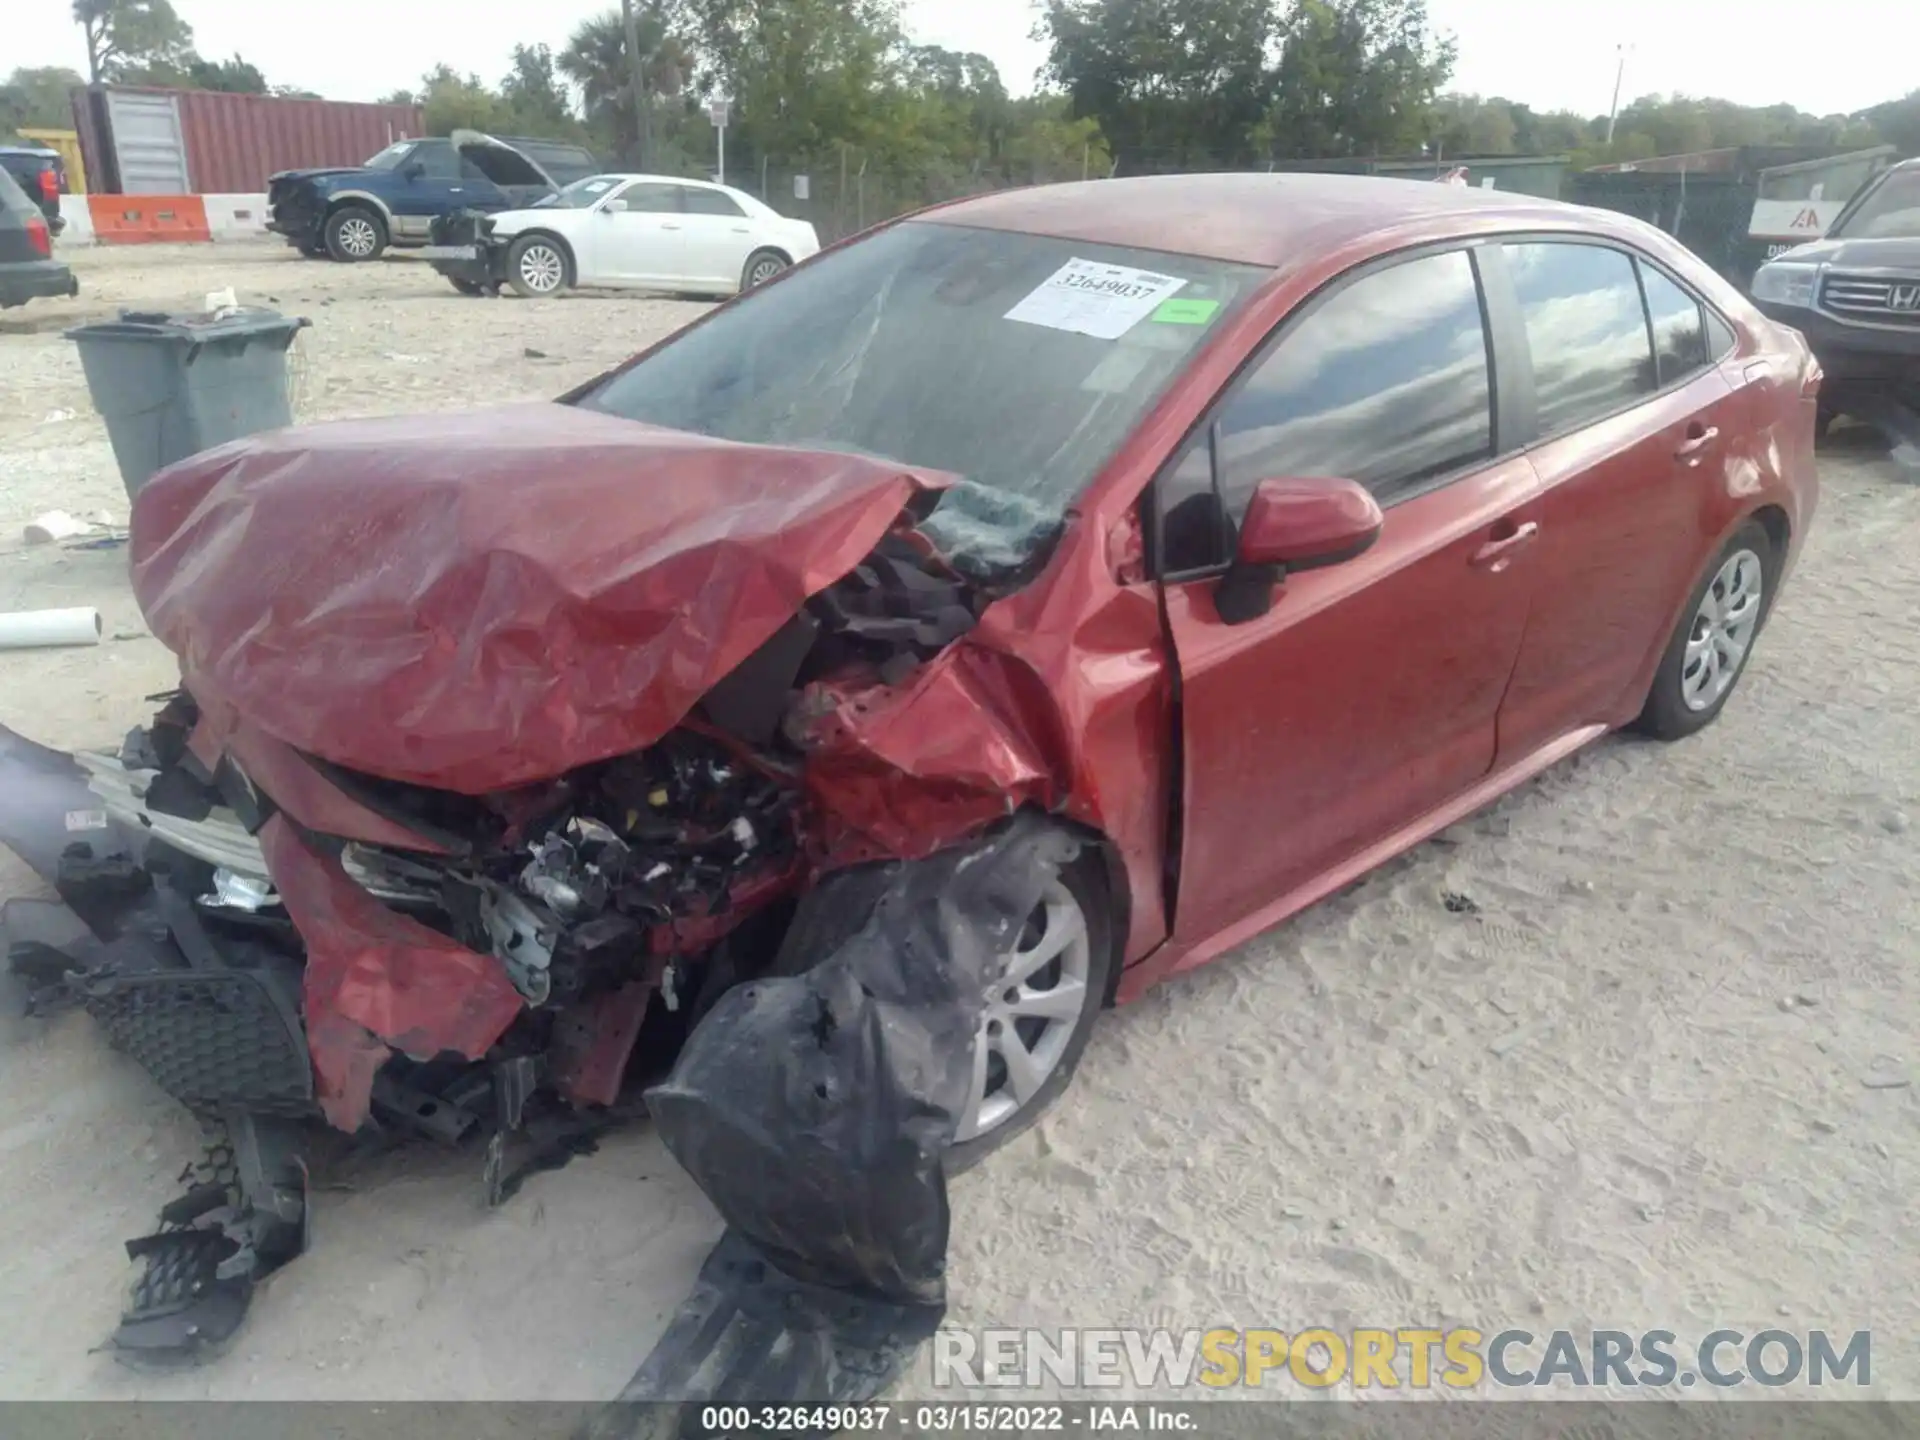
(500, 954)
(462, 247)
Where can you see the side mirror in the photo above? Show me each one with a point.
(614, 207)
(1294, 525)
(412, 170)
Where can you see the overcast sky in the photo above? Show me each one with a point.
(1841, 55)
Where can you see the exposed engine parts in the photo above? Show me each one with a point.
(642, 858)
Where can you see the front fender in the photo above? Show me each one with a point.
(359, 197)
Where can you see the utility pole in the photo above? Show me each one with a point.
(642, 111)
(1619, 73)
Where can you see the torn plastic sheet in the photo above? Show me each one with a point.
(986, 533)
(377, 978)
(477, 601)
(751, 1335)
(847, 1081)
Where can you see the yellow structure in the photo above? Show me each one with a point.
(67, 142)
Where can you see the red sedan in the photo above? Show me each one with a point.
(1122, 566)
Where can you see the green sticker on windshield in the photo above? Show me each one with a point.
(1184, 312)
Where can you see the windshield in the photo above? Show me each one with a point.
(1018, 362)
(1890, 212)
(390, 158)
(581, 194)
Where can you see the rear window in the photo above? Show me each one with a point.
(12, 197)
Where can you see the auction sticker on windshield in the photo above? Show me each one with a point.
(1089, 297)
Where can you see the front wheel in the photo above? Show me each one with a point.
(1041, 1013)
(354, 233)
(537, 267)
(1709, 649)
(465, 287)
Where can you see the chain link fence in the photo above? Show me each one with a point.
(846, 190)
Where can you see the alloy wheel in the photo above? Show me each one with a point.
(1031, 1015)
(764, 269)
(358, 237)
(1722, 631)
(542, 268)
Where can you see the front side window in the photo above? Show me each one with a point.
(651, 198)
(950, 348)
(1679, 326)
(439, 159)
(1586, 329)
(1386, 382)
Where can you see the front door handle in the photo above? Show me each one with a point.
(1496, 553)
(669, 225)
(1696, 441)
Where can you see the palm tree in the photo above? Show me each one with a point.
(596, 60)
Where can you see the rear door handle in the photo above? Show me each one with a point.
(1695, 443)
(1495, 554)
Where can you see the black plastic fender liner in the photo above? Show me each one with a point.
(815, 1109)
(749, 1335)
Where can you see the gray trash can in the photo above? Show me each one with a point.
(170, 386)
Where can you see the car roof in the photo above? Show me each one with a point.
(1256, 219)
(37, 151)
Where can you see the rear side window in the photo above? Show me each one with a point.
(710, 202)
(1586, 329)
(1386, 382)
(1679, 327)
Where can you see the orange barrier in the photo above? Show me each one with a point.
(148, 219)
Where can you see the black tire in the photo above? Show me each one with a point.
(346, 232)
(1667, 715)
(313, 252)
(762, 266)
(518, 266)
(466, 287)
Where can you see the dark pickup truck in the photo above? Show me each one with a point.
(355, 214)
(28, 270)
(1855, 295)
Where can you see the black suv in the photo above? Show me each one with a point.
(27, 267)
(1855, 295)
(42, 174)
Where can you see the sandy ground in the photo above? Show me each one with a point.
(1656, 1082)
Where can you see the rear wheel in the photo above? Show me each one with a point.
(538, 267)
(1710, 648)
(354, 233)
(761, 267)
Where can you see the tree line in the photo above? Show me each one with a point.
(1128, 86)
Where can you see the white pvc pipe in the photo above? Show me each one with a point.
(27, 629)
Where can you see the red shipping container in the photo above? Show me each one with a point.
(232, 143)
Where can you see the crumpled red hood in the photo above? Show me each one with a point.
(480, 600)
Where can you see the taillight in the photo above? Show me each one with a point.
(50, 185)
(38, 237)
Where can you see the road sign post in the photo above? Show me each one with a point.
(717, 112)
